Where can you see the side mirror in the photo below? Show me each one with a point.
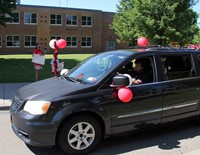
(121, 80)
(64, 72)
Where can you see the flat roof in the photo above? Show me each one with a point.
(56, 7)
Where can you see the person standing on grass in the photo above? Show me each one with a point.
(38, 67)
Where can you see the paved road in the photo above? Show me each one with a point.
(172, 140)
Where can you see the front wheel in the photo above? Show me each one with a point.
(79, 135)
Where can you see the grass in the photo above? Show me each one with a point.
(19, 68)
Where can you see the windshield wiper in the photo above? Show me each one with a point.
(72, 79)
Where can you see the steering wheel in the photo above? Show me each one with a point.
(101, 67)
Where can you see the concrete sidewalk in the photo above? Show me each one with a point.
(7, 92)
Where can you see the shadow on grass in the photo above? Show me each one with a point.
(22, 70)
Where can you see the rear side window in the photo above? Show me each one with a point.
(176, 66)
(198, 58)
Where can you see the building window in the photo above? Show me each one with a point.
(71, 41)
(71, 20)
(0, 42)
(30, 18)
(12, 41)
(55, 37)
(14, 19)
(30, 41)
(56, 19)
(86, 21)
(86, 42)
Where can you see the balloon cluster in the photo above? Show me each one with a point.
(54, 44)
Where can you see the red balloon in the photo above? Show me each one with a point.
(125, 94)
(142, 41)
(61, 43)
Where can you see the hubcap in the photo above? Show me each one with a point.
(81, 136)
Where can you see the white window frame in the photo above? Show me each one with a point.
(12, 22)
(57, 37)
(0, 41)
(30, 13)
(71, 46)
(56, 19)
(12, 41)
(86, 21)
(33, 45)
(86, 41)
(71, 16)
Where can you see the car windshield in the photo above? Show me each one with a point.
(94, 68)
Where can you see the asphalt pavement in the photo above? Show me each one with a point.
(7, 92)
(182, 139)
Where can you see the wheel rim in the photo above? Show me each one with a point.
(81, 136)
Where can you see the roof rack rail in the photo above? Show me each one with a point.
(161, 47)
(145, 47)
(152, 47)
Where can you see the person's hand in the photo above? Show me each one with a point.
(136, 81)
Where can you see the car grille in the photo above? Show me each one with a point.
(16, 105)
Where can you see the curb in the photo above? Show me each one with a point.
(7, 92)
(4, 108)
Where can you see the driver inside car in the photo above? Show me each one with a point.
(139, 74)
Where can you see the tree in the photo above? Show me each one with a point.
(161, 21)
(196, 39)
(6, 7)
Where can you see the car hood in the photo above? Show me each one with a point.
(50, 89)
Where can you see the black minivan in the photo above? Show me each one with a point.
(82, 106)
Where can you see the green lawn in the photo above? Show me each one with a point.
(19, 68)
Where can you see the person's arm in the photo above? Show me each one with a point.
(143, 77)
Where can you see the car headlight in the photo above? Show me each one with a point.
(37, 107)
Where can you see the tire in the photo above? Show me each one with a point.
(79, 135)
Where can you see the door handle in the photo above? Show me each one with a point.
(154, 91)
(169, 89)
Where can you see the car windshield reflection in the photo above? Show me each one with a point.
(94, 68)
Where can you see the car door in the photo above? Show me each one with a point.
(180, 87)
(142, 111)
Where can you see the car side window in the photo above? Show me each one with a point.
(145, 73)
(198, 59)
(176, 67)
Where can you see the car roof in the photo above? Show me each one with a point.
(177, 50)
(153, 50)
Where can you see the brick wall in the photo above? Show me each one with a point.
(99, 31)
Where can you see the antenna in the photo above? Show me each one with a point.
(67, 3)
(17, 1)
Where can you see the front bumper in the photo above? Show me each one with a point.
(33, 130)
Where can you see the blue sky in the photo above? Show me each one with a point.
(104, 5)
